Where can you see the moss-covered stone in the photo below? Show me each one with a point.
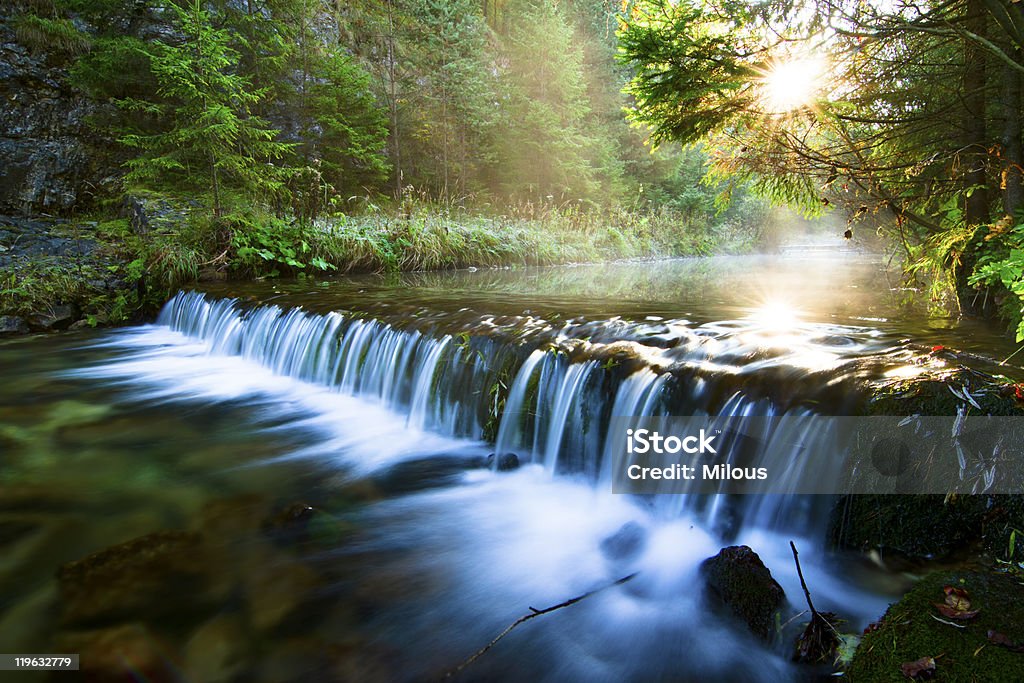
(928, 526)
(910, 631)
(929, 394)
(738, 581)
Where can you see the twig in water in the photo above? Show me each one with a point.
(820, 639)
(534, 612)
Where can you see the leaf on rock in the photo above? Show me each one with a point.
(1002, 640)
(919, 670)
(957, 604)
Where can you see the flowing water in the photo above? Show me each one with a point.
(378, 400)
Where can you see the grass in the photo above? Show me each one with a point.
(429, 239)
(132, 274)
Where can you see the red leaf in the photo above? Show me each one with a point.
(938, 348)
(1018, 391)
(919, 670)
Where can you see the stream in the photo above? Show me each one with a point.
(382, 401)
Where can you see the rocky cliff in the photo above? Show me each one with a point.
(50, 159)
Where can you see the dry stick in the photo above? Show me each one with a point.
(534, 612)
(803, 584)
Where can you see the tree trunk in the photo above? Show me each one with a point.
(1012, 180)
(975, 134)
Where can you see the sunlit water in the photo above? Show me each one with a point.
(371, 398)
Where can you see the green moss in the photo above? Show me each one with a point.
(908, 632)
(930, 395)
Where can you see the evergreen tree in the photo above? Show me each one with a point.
(212, 140)
(545, 146)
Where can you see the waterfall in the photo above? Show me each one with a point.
(548, 399)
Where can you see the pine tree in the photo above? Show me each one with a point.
(213, 139)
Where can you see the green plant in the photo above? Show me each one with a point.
(50, 35)
(1003, 265)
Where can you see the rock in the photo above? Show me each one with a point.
(626, 543)
(423, 473)
(58, 317)
(217, 650)
(925, 527)
(127, 652)
(12, 324)
(154, 576)
(508, 462)
(737, 580)
(908, 632)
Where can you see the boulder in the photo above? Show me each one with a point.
(12, 324)
(737, 581)
(986, 646)
(58, 317)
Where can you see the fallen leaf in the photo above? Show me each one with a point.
(957, 598)
(938, 349)
(920, 669)
(1002, 640)
(963, 615)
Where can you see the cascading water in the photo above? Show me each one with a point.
(559, 391)
(407, 401)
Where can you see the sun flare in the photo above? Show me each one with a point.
(792, 84)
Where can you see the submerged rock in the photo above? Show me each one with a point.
(217, 650)
(626, 543)
(158, 574)
(127, 652)
(737, 580)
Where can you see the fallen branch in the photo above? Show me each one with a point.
(534, 613)
(820, 639)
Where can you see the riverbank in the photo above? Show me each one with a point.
(61, 273)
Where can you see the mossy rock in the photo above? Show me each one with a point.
(739, 583)
(909, 632)
(927, 526)
(929, 394)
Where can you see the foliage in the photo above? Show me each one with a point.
(208, 108)
(1005, 268)
(42, 34)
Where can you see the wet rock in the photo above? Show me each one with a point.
(423, 473)
(217, 650)
(12, 324)
(626, 543)
(506, 462)
(127, 652)
(925, 527)
(154, 576)
(58, 317)
(300, 523)
(738, 581)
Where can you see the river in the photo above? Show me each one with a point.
(377, 401)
